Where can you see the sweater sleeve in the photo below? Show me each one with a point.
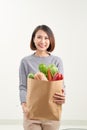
(61, 69)
(22, 82)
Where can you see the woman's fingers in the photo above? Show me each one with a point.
(59, 98)
(58, 95)
(59, 101)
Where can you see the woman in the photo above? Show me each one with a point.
(42, 43)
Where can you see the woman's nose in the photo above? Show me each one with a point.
(42, 40)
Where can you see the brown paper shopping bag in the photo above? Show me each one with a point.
(40, 99)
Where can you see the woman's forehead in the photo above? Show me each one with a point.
(41, 32)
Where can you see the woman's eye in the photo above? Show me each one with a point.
(39, 37)
(46, 38)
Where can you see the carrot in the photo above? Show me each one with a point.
(49, 75)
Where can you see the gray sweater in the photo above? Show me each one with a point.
(30, 64)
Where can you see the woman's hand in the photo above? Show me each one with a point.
(25, 109)
(59, 98)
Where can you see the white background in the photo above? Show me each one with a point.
(68, 20)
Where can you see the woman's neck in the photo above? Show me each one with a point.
(42, 54)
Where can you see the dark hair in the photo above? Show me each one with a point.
(50, 35)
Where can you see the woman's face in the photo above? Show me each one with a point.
(41, 40)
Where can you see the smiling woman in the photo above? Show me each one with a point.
(43, 43)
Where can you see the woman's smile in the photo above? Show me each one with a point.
(41, 40)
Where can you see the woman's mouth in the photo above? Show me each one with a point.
(41, 46)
